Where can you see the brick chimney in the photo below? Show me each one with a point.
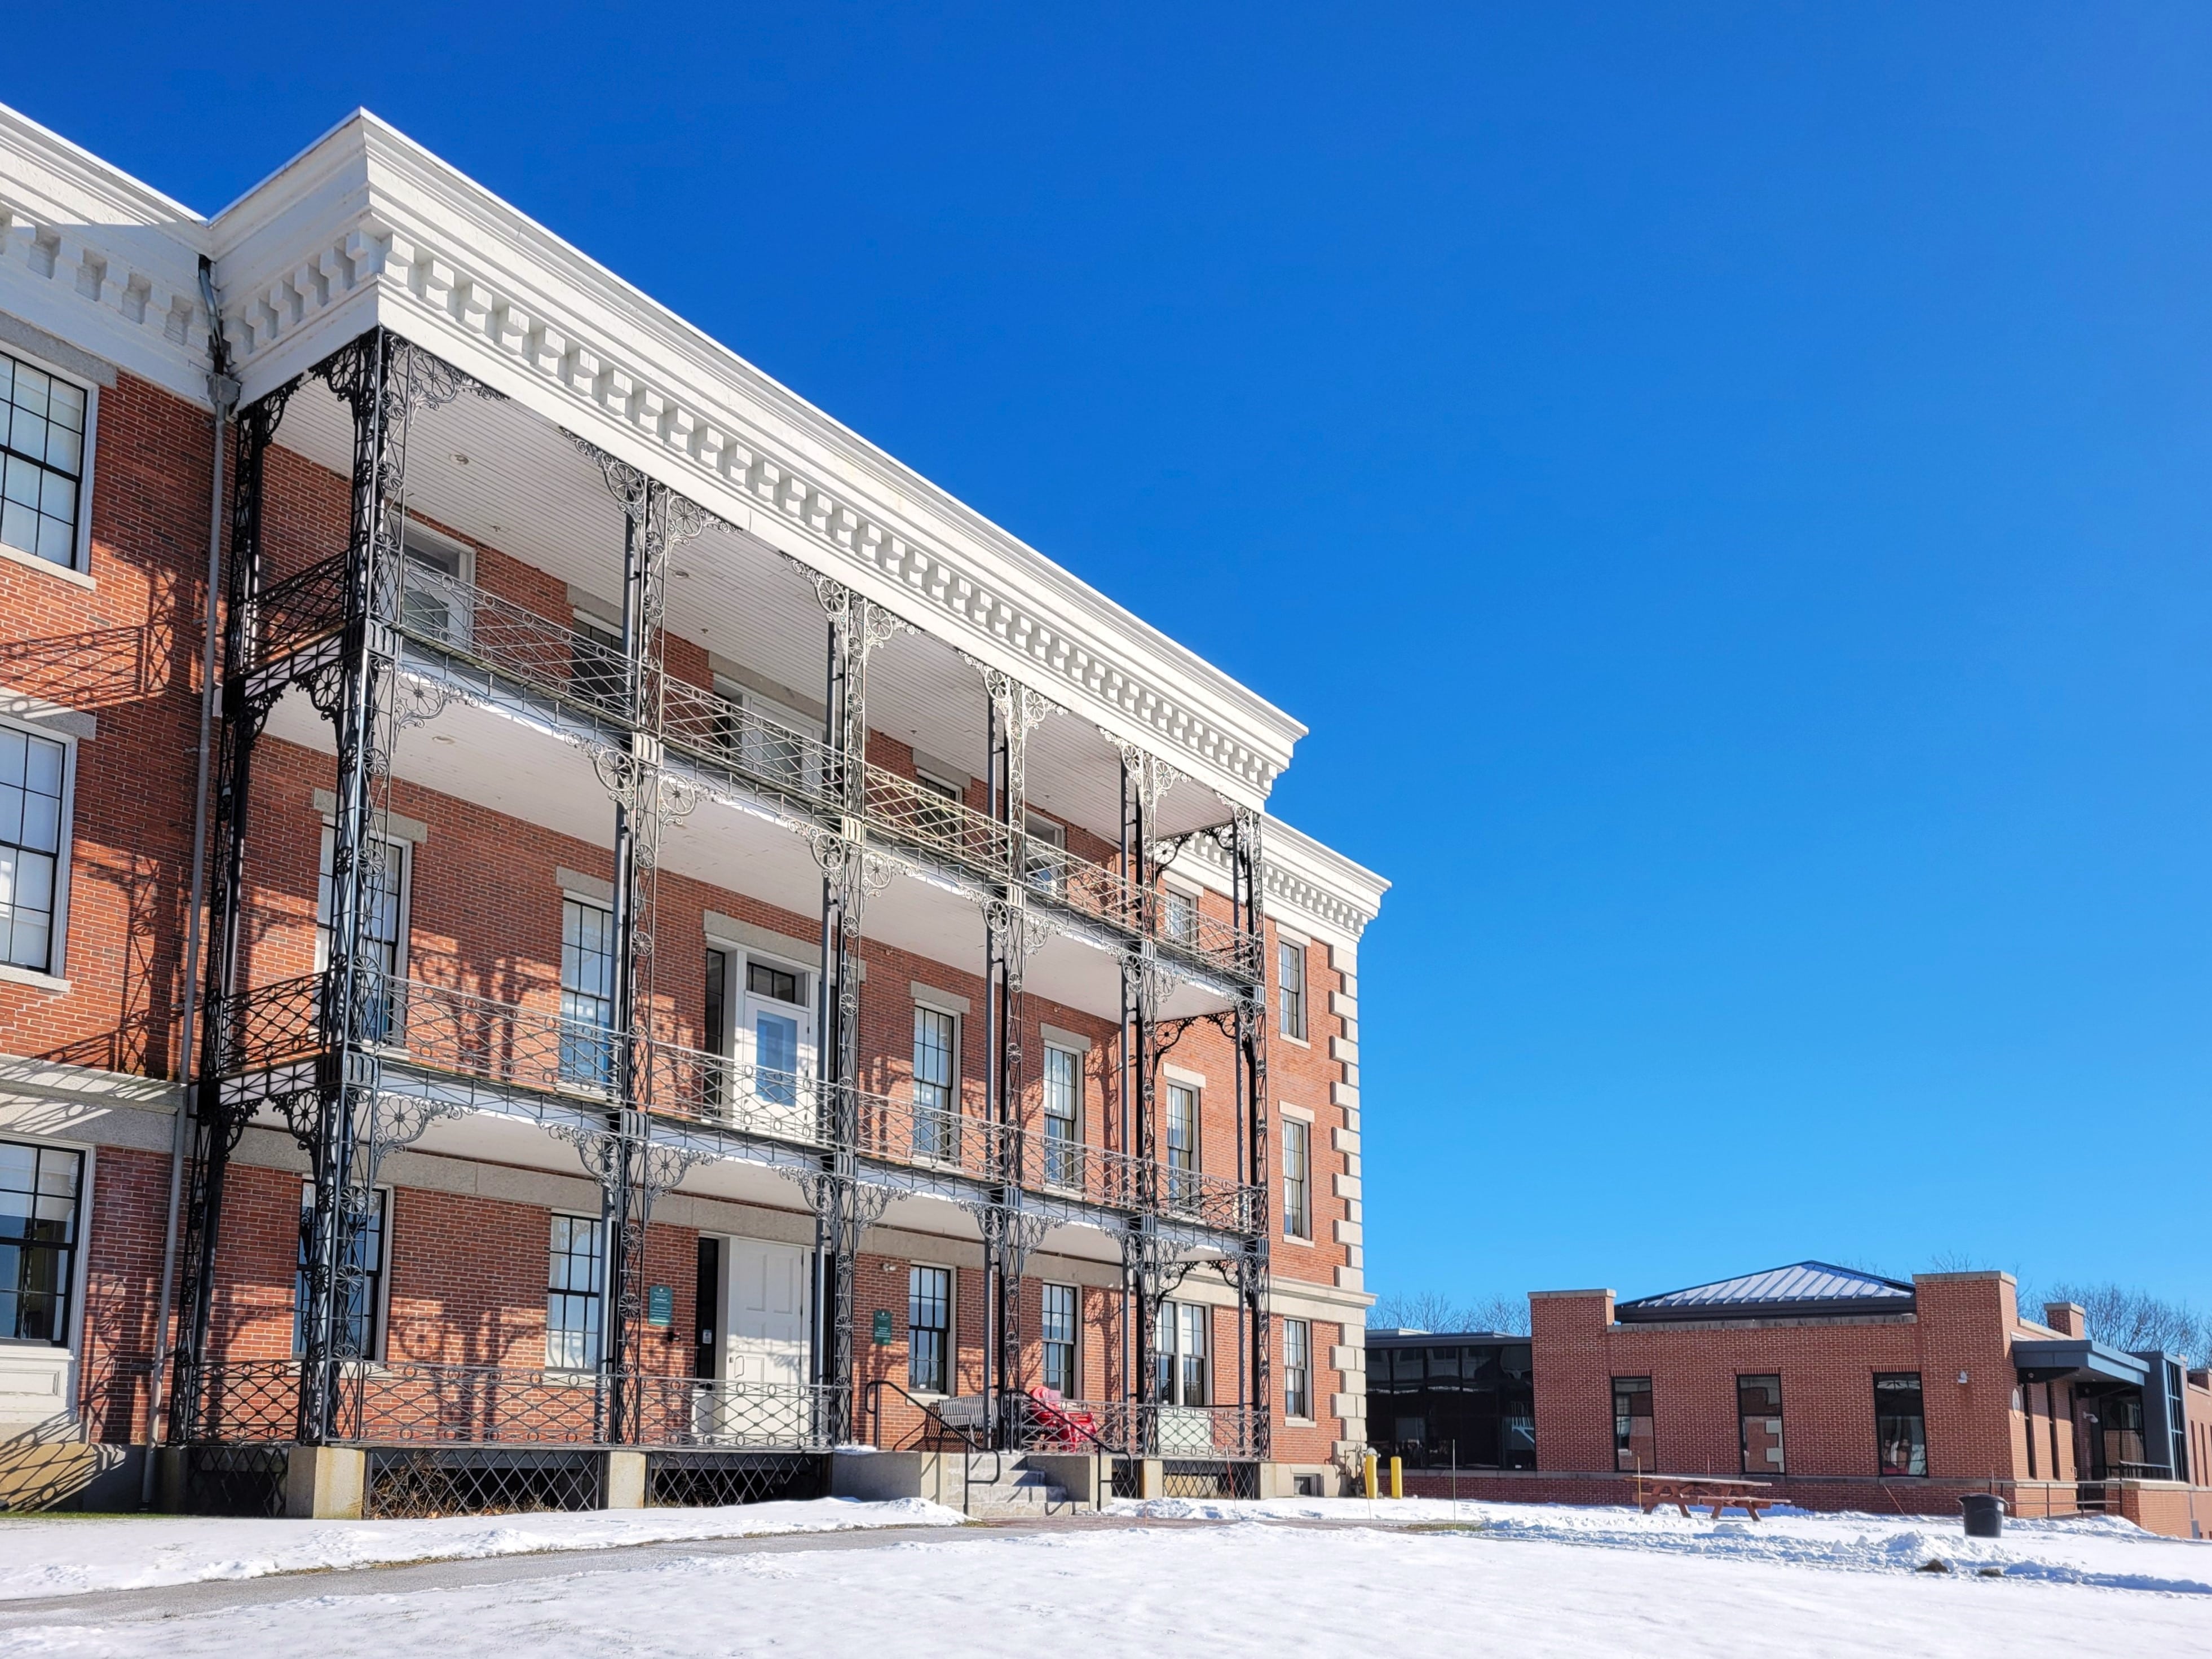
(2066, 1318)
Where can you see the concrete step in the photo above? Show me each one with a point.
(1018, 1490)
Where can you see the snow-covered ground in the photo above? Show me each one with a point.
(1527, 1582)
(68, 1556)
(2112, 1553)
(1230, 1591)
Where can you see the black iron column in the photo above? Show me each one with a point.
(216, 1124)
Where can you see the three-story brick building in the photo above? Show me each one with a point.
(573, 931)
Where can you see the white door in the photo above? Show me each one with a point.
(765, 1358)
(776, 1040)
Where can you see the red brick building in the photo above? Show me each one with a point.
(663, 945)
(1839, 1389)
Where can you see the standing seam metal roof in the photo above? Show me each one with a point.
(1801, 1282)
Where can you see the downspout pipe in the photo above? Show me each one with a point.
(222, 397)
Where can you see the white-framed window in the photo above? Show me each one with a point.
(936, 1086)
(1063, 1109)
(1290, 988)
(41, 1206)
(776, 743)
(929, 1330)
(1179, 916)
(387, 871)
(1182, 1345)
(597, 668)
(45, 446)
(37, 777)
(1059, 1322)
(361, 1333)
(1183, 1142)
(1298, 1178)
(587, 992)
(1044, 856)
(946, 824)
(575, 1291)
(436, 602)
(1297, 1368)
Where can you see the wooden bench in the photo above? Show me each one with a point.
(1754, 1498)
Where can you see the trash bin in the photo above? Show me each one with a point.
(1985, 1515)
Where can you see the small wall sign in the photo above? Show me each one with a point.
(883, 1327)
(659, 1305)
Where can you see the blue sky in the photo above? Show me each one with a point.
(1726, 485)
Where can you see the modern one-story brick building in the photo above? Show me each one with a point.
(570, 930)
(1842, 1389)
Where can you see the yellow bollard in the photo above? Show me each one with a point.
(1371, 1477)
(1397, 1477)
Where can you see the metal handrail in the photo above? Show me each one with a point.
(872, 1402)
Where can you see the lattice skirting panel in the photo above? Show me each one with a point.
(415, 1482)
(236, 1478)
(699, 1479)
(1128, 1478)
(1208, 1478)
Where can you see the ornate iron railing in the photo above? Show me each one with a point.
(685, 1411)
(407, 1401)
(1134, 1430)
(445, 1031)
(458, 620)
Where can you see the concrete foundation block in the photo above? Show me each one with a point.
(325, 1483)
(69, 1475)
(879, 1477)
(1152, 1478)
(623, 1487)
(1087, 1478)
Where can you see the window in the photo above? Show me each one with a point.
(587, 995)
(39, 1189)
(574, 1284)
(1182, 1144)
(1063, 1095)
(1182, 1357)
(1633, 1450)
(1297, 1368)
(1178, 916)
(1290, 988)
(361, 1329)
(929, 1330)
(935, 823)
(775, 1018)
(1298, 1182)
(1759, 1423)
(1044, 862)
(715, 1028)
(596, 665)
(936, 1111)
(32, 775)
(42, 430)
(1900, 1424)
(434, 574)
(383, 928)
(1058, 1327)
(764, 738)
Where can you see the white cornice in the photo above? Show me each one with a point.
(95, 257)
(1308, 885)
(368, 227)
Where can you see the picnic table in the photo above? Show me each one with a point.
(1712, 1492)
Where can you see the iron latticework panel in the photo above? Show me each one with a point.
(242, 1480)
(423, 1482)
(709, 1479)
(1208, 1478)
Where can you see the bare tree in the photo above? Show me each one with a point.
(1433, 1310)
(2135, 1321)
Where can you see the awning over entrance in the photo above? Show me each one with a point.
(2059, 1358)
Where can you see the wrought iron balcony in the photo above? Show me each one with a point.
(475, 633)
(479, 1046)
